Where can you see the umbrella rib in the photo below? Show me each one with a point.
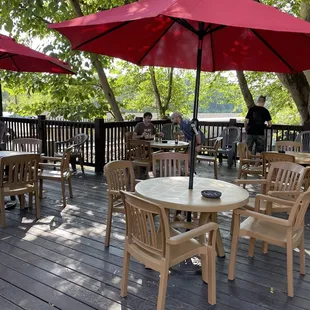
(103, 34)
(272, 49)
(152, 46)
(6, 55)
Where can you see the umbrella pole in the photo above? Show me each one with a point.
(195, 114)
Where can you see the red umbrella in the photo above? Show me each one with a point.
(208, 35)
(18, 57)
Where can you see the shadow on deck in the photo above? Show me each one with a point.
(60, 261)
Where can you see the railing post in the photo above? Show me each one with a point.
(100, 145)
(42, 132)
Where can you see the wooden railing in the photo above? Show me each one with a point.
(106, 140)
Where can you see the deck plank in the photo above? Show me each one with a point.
(61, 260)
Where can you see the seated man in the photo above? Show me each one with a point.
(145, 129)
(185, 126)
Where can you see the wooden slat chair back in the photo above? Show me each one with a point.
(140, 154)
(120, 176)
(269, 157)
(304, 138)
(27, 145)
(286, 233)
(288, 146)
(21, 177)
(59, 170)
(128, 136)
(162, 248)
(170, 164)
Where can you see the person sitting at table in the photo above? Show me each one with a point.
(187, 130)
(145, 129)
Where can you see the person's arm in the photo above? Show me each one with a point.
(269, 123)
(268, 119)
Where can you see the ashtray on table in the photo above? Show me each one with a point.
(211, 194)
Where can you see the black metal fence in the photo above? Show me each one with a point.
(106, 140)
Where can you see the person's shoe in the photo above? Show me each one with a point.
(10, 205)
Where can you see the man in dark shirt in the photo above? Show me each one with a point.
(145, 129)
(255, 125)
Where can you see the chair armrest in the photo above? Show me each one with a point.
(250, 161)
(274, 199)
(62, 142)
(285, 194)
(264, 217)
(246, 181)
(196, 232)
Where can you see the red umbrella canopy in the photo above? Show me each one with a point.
(18, 57)
(237, 35)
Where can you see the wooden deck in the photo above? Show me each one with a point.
(60, 262)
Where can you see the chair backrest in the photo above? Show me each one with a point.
(78, 142)
(231, 135)
(3, 132)
(170, 164)
(141, 228)
(297, 214)
(139, 150)
(128, 136)
(65, 162)
(243, 151)
(27, 145)
(269, 157)
(120, 175)
(288, 146)
(304, 138)
(20, 170)
(285, 176)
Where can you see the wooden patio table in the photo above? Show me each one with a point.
(300, 157)
(173, 193)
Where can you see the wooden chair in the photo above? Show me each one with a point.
(269, 157)
(288, 146)
(159, 249)
(286, 233)
(140, 154)
(210, 153)
(248, 163)
(77, 144)
(170, 164)
(304, 138)
(3, 136)
(27, 145)
(128, 136)
(59, 171)
(21, 178)
(120, 176)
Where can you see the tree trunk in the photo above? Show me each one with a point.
(299, 89)
(305, 14)
(99, 68)
(243, 84)
(156, 92)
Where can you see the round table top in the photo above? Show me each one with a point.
(300, 157)
(169, 145)
(173, 192)
(12, 153)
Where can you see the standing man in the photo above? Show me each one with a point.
(145, 129)
(187, 130)
(255, 125)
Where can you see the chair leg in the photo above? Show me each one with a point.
(232, 224)
(109, 222)
(63, 190)
(41, 189)
(124, 283)
(251, 247)
(22, 201)
(212, 277)
(81, 162)
(2, 210)
(37, 199)
(289, 263)
(215, 170)
(204, 267)
(70, 187)
(264, 247)
(302, 258)
(30, 200)
(161, 300)
(234, 247)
